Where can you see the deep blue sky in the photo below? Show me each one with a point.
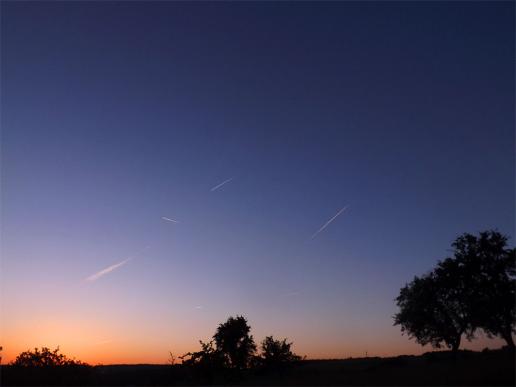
(116, 114)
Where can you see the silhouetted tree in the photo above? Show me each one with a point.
(276, 353)
(208, 364)
(431, 313)
(474, 289)
(208, 355)
(44, 358)
(488, 268)
(171, 358)
(233, 341)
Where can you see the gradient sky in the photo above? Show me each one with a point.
(115, 115)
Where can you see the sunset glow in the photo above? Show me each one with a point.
(166, 165)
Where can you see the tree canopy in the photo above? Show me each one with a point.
(275, 353)
(474, 289)
(234, 341)
(44, 358)
(233, 349)
(488, 267)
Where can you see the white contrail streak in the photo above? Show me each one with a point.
(328, 222)
(169, 220)
(221, 184)
(107, 270)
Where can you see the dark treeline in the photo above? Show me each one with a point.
(489, 367)
(471, 291)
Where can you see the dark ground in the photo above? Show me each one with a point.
(493, 368)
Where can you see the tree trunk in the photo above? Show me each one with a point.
(507, 336)
(456, 345)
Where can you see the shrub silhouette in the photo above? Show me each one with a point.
(208, 364)
(222, 359)
(46, 367)
(474, 289)
(208, 356)
(44, 358)
(276, 353)
(233, 341)
(232, 350)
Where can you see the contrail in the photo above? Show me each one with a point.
(328, 222)
(109, 269)
(221, 184)
(169, 220)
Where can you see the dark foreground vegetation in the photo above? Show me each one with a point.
(494, 368)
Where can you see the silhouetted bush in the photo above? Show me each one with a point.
(207, 365)
(276, 354)
(45, 358)
(234, 342)
(47, 367)
(225, 357)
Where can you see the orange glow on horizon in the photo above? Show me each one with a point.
(94, 350)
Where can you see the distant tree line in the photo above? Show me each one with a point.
(472, 290)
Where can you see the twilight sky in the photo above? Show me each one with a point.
(166, 165)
